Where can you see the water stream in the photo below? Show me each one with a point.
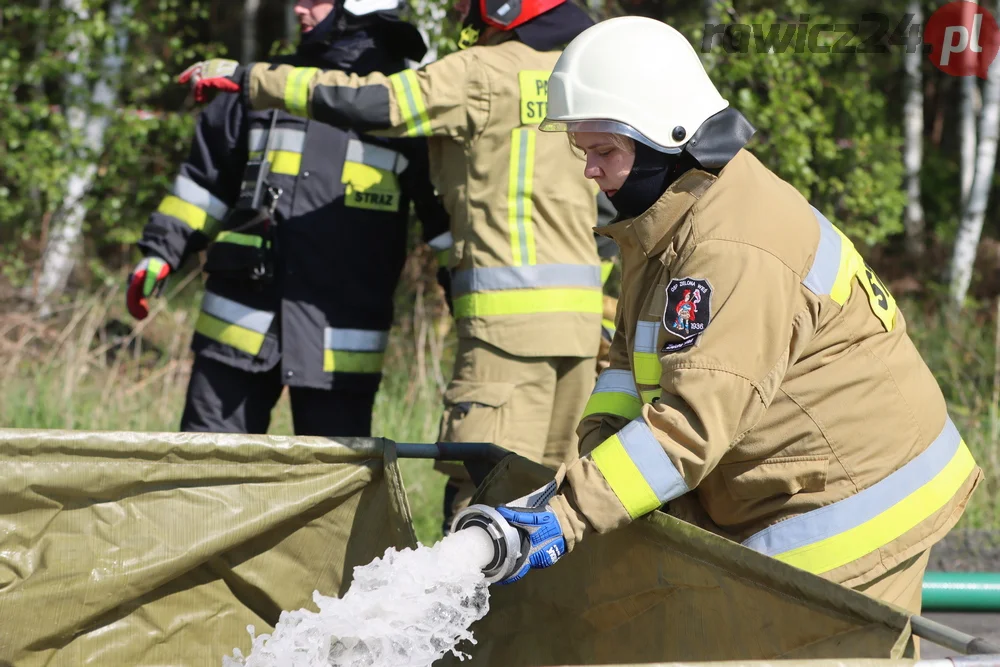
(405, 609)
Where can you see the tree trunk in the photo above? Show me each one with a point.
(291, 23)
(249, 44)
(967, 127)
(913, 123)
(973, 213)
(88, 115)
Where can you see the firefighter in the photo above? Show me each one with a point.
(761, 373)
(525, 274)
(304, 252)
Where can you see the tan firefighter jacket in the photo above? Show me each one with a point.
(526, 275)
(759, 364)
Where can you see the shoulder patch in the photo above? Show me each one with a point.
(688, 311)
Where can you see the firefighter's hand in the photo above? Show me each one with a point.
(215, 74)
(147, 277)
(534, 516)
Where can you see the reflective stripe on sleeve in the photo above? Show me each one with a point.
(236, 238)
(519, 190)
(186, 189)
(614, 394)
(638, 470)
(836, 534)
(528, 302)
(231, 323)
(297, 90)
(193, 216)
(411, 103)
(354, 350)
(645, 359)
(441, 244)
(525, 277)
(835, 265)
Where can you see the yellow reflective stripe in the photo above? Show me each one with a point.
(443, 256)
(236, 238)
(528, 302)
(647, 368)
(649, 394)
(521, 173)
(352, 362)
(624, 478)
(285, 162)
(189, 214)
(613, 403)
(606, 267)
(850, 264)
(230, 334)
(609, 325)
(852, 544)
(297, 90)
(411, 103)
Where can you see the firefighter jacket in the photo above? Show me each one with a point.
(761, 369)
(525, 271)
(342, 225)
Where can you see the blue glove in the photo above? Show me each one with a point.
(535, 520)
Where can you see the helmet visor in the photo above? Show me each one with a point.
(608, 126)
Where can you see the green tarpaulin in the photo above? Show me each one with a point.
(160, 549)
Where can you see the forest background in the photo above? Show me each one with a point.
(900, 155)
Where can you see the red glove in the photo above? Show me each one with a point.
(147, 276)
(215, 74)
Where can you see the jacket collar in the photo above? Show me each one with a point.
(654, 228)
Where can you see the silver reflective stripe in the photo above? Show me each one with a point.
(230, 311)
(617, 381)
(645, 336)
(442, 242)
(192, 193)
(355, 340)
(284, 140)
(648, 456)
(826, 264)
(830, 520)
(379, 157)
(521, 277)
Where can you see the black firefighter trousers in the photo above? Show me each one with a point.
(222, 399)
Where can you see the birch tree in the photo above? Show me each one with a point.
(89, 112)
(913, 126)
(968, 94)
(974, 211)
(249, 39)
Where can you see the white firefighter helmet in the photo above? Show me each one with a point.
(633, 76)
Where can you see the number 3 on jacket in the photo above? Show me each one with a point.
(882, 303)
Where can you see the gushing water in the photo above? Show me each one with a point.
(406, 609)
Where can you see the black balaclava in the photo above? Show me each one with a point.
(715, 143)
(361, 44)
(651, 175)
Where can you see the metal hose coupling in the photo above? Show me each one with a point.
(510, 545)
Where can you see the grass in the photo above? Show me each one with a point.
(86, 369)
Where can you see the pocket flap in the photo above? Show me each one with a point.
(493, 394)
(770, 477)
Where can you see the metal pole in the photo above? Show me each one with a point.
(952, 639)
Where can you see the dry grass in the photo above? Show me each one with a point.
(87, 368)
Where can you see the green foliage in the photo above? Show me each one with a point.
(50, 62)
(822, 118)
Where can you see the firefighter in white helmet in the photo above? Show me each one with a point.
(762, 383)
